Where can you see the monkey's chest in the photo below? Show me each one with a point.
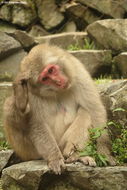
(61, 117)
(57, 114)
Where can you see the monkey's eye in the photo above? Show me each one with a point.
(45, 78)
(50, 70)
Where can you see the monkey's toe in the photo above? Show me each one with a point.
(73, 158)
(112, 161)
(87, 160)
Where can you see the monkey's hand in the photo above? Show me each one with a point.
(57, 165)
(21, 94)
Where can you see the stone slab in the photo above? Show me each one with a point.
(63, 40)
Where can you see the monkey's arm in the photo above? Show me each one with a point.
(47, 147)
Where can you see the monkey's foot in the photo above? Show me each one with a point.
(57, 166)
(112, 161)
(87, 160)
(107, 153)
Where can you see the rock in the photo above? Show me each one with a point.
(121, 62)
(22, 13)
(124, 4)
(4, 158)
(9, 66)
(35, 175)
(49, 14)
(108, 7)
(64, 40)
(80, 12)
(105, 178)
(93, 59)
(114, 95)
(37, 31)
(25, 39)
(90, 17)
(69, 27)
(26, 175)
(5, 91)
(5, 13)
(110, 33)
(5, 27)
(8, 45)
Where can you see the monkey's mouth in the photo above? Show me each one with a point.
(60, 85)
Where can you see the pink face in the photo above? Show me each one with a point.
(52, 75)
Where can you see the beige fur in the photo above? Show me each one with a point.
(46, 122)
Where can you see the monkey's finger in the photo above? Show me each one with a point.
(21, 96)
(57, 170)
(57, 166)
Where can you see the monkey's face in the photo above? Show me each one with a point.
(53, 76)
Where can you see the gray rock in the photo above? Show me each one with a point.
(64, 40)
(4, 158)
(110, 33)
(25, 39)
(108, 7)
(6, 27)
(69, 27)
(83, 13)
(109, 178)
(8, 45)
(22, 16)
(114, 95)
(5, 12)
(93, 59)
(22, 13)
(121, 62)
(31, 175)
(9, 66)
(49, 14)
(26, 175)
(124, 4)
(37, 31)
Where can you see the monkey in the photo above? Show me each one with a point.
(53, 105)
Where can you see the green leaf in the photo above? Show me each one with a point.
(119, 109)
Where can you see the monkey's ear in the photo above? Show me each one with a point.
(21, 92)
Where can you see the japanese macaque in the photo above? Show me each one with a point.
(53, 105)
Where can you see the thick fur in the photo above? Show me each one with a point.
(50, 123)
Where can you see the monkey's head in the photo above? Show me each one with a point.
(53, 76)
(50, 70)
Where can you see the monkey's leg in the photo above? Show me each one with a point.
(104, 147)
(16, 111)
(16, 130)
(76, 138)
